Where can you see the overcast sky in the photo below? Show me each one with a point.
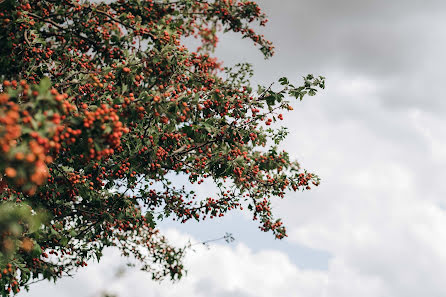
(376, 136)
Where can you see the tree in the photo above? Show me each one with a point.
(101, 104)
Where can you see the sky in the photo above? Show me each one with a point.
(376, 226)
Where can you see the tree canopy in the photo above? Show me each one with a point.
(102, 104)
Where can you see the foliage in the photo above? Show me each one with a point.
(101, 103)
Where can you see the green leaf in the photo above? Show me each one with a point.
(63, 241)
(45, 84)
(284, 81)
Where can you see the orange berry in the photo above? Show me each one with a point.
(27, 244)
(19, 156)
(30, 158)
(10, 172)
(4, 98)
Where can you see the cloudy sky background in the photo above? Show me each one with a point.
(376, 136)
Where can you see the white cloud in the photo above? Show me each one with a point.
(433, 130)
(377, 209)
